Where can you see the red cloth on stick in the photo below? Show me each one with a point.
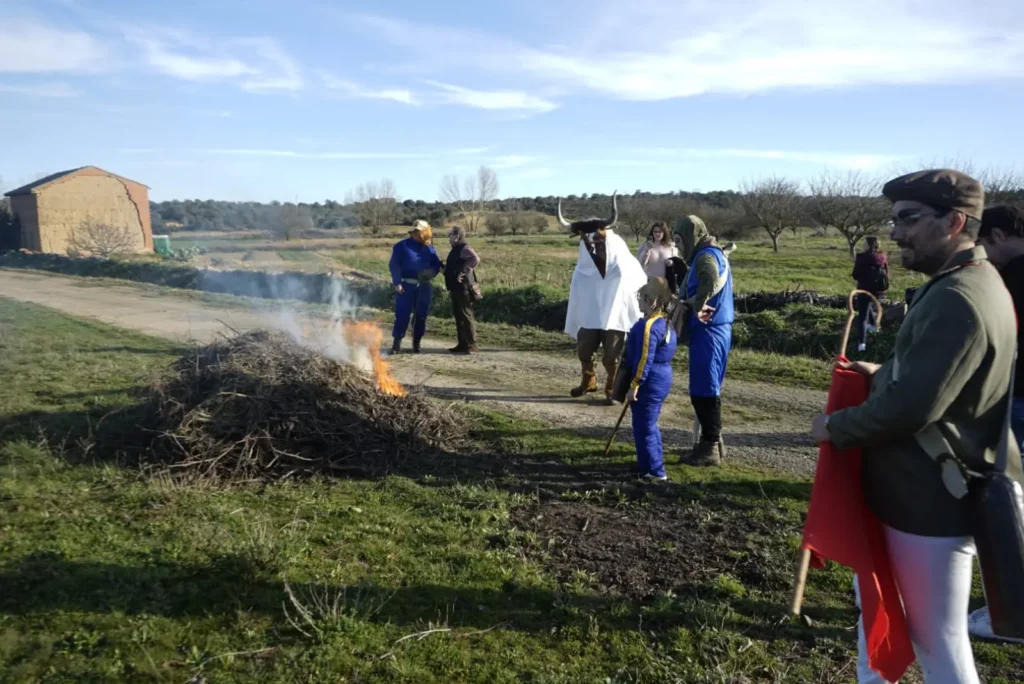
(840, 527)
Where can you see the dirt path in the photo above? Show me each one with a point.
(764, 424)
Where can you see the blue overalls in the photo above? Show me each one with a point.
(408, 258)
(650, 346)
(710, 342)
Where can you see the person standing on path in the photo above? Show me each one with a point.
(708, 296)
(871, 272)
(650, 346)
(656, 251)
(460, 279)
(414, 263)
(948, 374)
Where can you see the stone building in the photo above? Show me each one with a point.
(83, 211)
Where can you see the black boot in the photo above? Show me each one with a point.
(416, 345)
(396, 346)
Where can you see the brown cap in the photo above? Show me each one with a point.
(941, 188)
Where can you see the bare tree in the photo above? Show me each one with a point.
(775, 203)
(105, 240)
(1001, 184)
(293, 221)
(850, 203)
(472, 196)
(636, 214)
(376, 203)
(512, 220)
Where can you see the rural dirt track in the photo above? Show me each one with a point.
(763, 424)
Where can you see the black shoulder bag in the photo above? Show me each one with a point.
(997, 502)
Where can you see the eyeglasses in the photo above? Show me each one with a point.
(909, 217)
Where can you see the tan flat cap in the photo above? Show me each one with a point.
(942, 188)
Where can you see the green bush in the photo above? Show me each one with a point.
(793, 330)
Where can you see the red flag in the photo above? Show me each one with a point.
(840, 527)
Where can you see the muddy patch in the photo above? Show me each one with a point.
(642, 551)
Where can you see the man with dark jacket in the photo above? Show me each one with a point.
(1002, 234)
(459, 278)
(943, 389)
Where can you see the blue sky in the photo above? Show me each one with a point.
(260, 100)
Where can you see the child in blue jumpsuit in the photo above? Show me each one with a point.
(650, 346)
(414, 263)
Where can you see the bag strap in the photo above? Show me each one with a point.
(1003, 450)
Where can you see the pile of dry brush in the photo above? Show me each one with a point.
(258, 406)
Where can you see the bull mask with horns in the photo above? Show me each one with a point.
(592, 232)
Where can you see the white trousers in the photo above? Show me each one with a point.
(934, 578)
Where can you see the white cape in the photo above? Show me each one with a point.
(607, 303)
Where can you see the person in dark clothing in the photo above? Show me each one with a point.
(459, 278)
(1002, 236)
(871, 271)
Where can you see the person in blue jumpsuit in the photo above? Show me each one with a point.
(414, 263)
(650, 346)
(708, 296)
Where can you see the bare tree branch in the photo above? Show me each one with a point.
(474, 196)
(850, 203)
(636, 214)
(102, 239)
(775, 203)
(377, 203)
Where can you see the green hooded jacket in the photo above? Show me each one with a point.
(694, 237)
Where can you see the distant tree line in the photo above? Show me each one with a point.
(849, 203)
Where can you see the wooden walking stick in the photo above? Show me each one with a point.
(625, 405)
(804, 564)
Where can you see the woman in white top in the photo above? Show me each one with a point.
(657, 249)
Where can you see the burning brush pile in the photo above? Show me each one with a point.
(260, 405)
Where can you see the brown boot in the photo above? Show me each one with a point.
(588, 383)
(721, 449)
(704, 454)
(609, 383)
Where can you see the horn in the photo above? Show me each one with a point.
(561, 220)
(615, 212)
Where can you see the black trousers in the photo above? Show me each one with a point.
(465, 318)
(864, 316)
(709, 415)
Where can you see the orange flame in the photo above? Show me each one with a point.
(368, 334)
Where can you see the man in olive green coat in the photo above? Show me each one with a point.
(943, 388)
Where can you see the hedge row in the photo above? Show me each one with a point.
(771, 322)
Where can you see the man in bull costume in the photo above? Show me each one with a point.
(602, 297)
(708, 297)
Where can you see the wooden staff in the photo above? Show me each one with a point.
(804, 564)
(625, 405)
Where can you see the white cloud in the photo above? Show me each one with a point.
(649, 50)
(492, 99)
(28, 47)
(57, 90)
(257, 65)
(352, 89)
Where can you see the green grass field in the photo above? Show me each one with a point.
(806, 262)
(480, 572)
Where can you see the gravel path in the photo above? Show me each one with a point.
(764, 425)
